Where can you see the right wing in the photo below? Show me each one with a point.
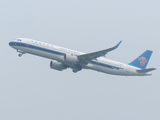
(86, 58)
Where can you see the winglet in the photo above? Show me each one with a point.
(118, 44)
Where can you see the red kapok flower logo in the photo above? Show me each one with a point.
(143, 60)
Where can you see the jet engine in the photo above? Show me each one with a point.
(71, 59)
(57, 65)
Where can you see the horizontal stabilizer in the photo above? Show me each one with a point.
(146, 70)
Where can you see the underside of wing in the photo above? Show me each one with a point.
(86, 58)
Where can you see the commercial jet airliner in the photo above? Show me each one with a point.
(62, 58)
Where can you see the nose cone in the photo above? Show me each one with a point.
(11, 43)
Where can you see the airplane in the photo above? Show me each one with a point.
(62, 58)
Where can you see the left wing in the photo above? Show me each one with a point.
(86, 58)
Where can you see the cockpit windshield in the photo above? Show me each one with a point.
(19, 40)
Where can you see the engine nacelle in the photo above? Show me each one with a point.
(71, 59)
(57, 65)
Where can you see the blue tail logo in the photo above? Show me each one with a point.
(142, 60)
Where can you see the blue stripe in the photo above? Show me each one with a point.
(105, 65)
(58, 53)
(36, 48)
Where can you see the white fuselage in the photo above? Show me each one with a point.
(53, 52)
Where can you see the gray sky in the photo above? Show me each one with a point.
(30, 90)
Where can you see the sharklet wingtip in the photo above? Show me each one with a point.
(118, 44)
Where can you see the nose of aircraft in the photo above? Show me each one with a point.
(11, 43)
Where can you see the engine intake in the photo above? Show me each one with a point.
(57, 65)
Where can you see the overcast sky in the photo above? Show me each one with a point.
(30, 90)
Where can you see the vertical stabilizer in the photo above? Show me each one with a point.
(142, 60)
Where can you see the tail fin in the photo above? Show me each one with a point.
(142, 60)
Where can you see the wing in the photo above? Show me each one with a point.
(86, 58)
